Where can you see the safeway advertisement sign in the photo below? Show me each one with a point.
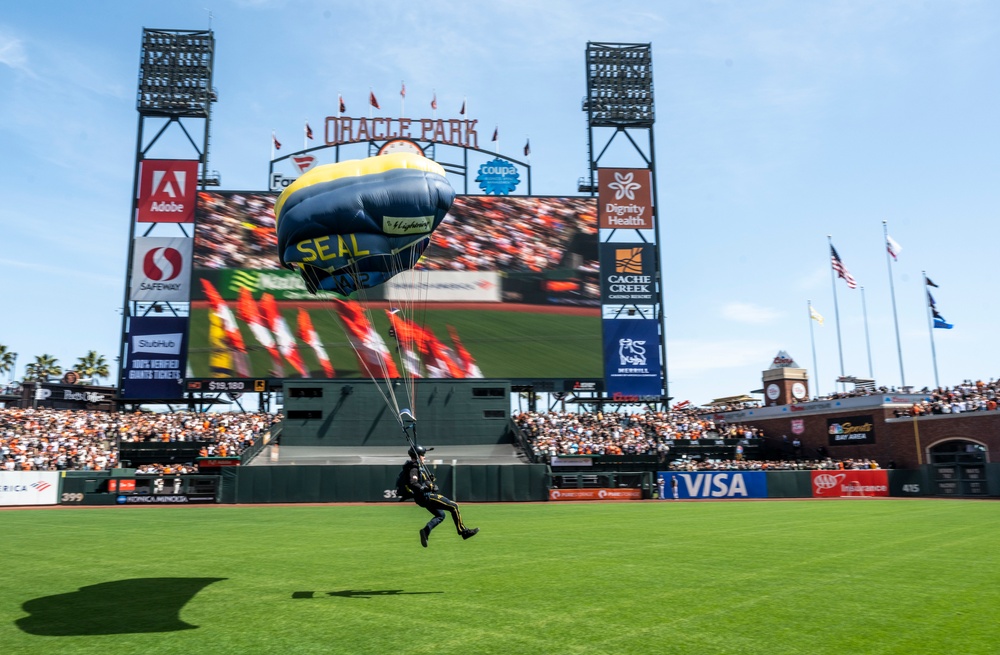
(625, 198)
(850, 482)
(161, 269)
(167, 191)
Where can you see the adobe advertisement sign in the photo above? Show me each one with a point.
(632, 358)
(167, 189)
(850, 430)
(841, 484)
(718, 484)
(161, 269)
(628, 273)
(625, 198)
(154, 365)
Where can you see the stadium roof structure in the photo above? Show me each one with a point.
(727, 400)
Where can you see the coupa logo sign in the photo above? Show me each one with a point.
(498, 177)
(167, 191)
(717, 484)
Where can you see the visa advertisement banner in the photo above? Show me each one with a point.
(842, 484)
(29, 487)
(632, 358)
(716, 484)
(155, 364)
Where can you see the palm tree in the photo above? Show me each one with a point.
(8, 360)
(92, 365)
(43, 368)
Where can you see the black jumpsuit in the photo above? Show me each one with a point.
(421, 488)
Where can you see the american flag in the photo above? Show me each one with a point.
(841, 269)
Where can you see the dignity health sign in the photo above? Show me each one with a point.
(29, 488)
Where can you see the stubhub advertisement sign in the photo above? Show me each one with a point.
(154, 366)
(717, 484)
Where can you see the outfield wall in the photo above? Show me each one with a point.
(483, 483)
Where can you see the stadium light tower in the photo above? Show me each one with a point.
(620, 105)
(175, 96)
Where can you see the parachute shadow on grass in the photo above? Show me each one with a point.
(358, 593)
(137, 605)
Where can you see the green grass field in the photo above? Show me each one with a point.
(768, 577)
(505, 344)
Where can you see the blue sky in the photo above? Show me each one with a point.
(777, 123)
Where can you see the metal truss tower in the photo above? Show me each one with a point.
(620, 113)
(174, 101)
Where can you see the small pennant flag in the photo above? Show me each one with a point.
(434, 102)
(814, 315)
(309, 132)
(274, 140)
(372, 100)
(893, 247)
(462, 110)
(402, 89)
(496, 133)
(341, 106)
(527, 147)
(929, 283)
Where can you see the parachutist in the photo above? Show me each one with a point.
(415, 482)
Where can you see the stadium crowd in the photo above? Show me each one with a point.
(828, 464)
(58, 440)
(612, 433)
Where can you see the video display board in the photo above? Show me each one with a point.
(511, 287)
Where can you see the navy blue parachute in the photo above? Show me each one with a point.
(355, 224)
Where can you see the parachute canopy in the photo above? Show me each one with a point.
(355, 224)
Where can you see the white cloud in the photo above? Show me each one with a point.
(742, 312)
(12, 53)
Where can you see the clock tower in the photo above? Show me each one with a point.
(784, 382)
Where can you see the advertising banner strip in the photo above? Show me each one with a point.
(161, 269)
(632, 357)
(595, 494)
(717, 484)
(851, 430)
(628, 273)
(845, 484)
(29, 488)
(625, 198)
(167, 191)
(155, 363)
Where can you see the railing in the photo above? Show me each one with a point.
(269, 437)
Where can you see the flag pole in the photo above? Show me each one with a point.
(868, 343)
(930, 327)
(836, 307)
(892, 293)
(812, 339)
